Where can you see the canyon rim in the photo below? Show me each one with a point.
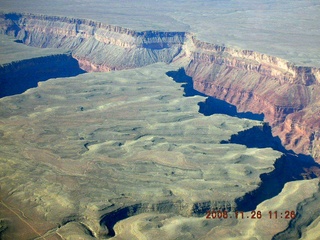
(115, 122)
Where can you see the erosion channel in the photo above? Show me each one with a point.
(98, 147)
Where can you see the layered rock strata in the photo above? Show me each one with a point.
(100, 147)
(65, 161)
(97, 46)
(286, 94)
(169, 226)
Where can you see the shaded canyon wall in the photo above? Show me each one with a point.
(17, 77)
(286, 94)
(97, 46)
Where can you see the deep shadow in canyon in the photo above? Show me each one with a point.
(110, 219)
(211, 105)
(17, 77)
(288, 167)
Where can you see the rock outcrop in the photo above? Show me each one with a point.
(286, 94)
(97, 46)
(99, 147)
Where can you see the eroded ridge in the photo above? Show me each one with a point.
(77, 160)
(286, 94)
(107, 146)
(97, 46)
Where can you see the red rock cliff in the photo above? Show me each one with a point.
(286, 94)
(97, 46)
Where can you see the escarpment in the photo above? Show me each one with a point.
(286, 94)
(97, 46)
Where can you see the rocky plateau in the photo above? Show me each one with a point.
(128, 155)
(287, 95)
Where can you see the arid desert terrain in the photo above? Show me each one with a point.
(159, 120)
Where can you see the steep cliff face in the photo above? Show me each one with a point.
(97, 46)
(286, 94)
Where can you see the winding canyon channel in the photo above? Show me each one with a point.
(108, 132)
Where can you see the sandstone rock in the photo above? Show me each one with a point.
(262, 84)
(100, 147)
(106, 47)
(290, 200)
(286, 94)
(60, 161)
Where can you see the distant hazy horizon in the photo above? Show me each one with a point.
(289, 30)
(145, 151)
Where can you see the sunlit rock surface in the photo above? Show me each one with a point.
(251, 226)
(286, 29)
(22, 67)
(13, 52)
(78, 155)
(84, 147)
(285, 93)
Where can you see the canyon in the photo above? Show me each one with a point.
(81, 154)
(34, 70)
(123, 155)
(287, 95)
